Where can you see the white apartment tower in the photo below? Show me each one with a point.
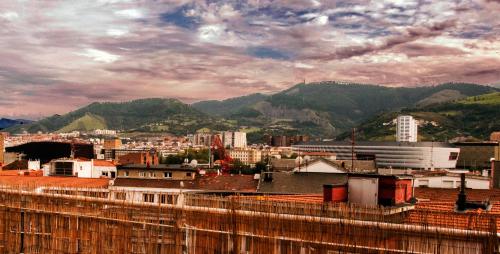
(234, 139)
(406, 129)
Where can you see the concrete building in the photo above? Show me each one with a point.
(495, 136)
(415, 155)
(451, 181)
(234, 139)
(246, 155)
(320, 165)
(80, 168)
(69, 167)
(105, 132)
(201, 139)
(284, 141)
(115, 143)
(161, 171)
(146, 158)
(406, 129)
(477, 155)
(2, 148)
(103, 168)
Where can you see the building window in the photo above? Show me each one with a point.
(167, 174)
(104, 173)
(142, 174)
(423, 183)
(189, 174)
(148, 197)
(121, 196)
(166, 199)
(453, 156)
(125, 173)
(152, 174)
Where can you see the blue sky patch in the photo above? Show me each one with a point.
(267, 52)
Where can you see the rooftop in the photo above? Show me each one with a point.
(13, 179)
(299, 182)
(215, 183)
(178, 167)
(376, 143)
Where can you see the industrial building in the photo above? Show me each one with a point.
(412, 155)
(477, 155)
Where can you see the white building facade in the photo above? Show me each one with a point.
(234, 139)
(452, 182)
(406, 129)
(398, 155)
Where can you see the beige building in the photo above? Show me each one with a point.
(247, 156)
(161, 171)
(115, 143)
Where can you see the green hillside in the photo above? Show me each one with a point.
(85, 123)
(473, 118)
(147, 115)
(326, 109)
(229, 106)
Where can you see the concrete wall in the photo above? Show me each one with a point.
(98, 170)
(451, 182)
(82, 169)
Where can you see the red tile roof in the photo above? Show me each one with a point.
(104, 163)
(52, 181)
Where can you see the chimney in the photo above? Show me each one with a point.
(268, 176)
(463, 205)
(462, 198)
(495, 174)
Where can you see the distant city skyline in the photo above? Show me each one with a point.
(61, 55)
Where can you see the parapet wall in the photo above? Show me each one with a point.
(33, 222)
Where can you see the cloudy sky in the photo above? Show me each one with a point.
(60, 55)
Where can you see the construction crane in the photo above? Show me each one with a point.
(218, 148)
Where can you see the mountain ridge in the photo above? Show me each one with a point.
(322, 109)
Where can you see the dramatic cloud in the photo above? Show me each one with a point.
(59, 55)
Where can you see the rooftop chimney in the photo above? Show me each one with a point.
(463, 205)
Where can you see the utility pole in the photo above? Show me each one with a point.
(210, 150)
(353, 142)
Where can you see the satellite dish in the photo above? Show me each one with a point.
(194, 163)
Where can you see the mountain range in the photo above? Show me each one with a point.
(6, 123)
(323, 109)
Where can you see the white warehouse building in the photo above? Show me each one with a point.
(414, 155)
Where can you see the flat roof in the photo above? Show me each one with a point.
(177, 167)
(376, 143)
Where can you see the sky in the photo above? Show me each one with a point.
(57, 56)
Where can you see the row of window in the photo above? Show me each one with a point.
(149, 197)
(155, 174)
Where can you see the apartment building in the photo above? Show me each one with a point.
(406, 129)
(247, 156)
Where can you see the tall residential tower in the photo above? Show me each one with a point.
(406, 129)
